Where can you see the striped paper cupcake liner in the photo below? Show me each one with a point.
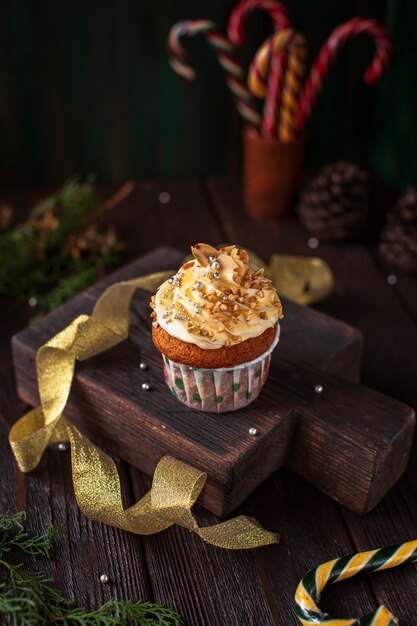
(218, 390)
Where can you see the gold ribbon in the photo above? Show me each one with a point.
(176, 485)
(302, 279)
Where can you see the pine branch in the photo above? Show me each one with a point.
(30, 599)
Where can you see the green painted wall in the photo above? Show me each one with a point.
(86, 87)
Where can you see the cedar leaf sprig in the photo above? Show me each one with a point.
(30, 598)
(64, 245)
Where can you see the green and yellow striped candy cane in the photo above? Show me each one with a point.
(309, 590)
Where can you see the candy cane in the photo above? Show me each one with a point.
(259, 69)
(275, 10)
(273, 96)
(224, 51)
(236, 34)
(328, 53)
(309, 590)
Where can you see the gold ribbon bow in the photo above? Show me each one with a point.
(176, 485)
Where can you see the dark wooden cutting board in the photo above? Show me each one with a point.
(350, 441)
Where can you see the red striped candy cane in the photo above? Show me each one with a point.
(276, 11)
(236, 34)
(224, 50)
(328, 53)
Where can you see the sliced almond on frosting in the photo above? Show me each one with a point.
(207, 249)
(199, 256)
(202, 252)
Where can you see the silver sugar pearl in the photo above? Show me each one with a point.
(253, 432)
(170, 280)
(62, 447)
(104, 579)
(313, 243)
(143, 366)
(146, 386)
(32, 301)
(216, 275)
(198, 284)
(164, 197)
(318, 389)
(212, 258)
(225, 298)
(392, 279)
(215, 265)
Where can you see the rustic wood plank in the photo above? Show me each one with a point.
(363, 298)
(85, 549)
(179, 218)
(405, 288)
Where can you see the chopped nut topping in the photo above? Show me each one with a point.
(226, 292)
(244, 256)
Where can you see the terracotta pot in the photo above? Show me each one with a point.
(271, 174)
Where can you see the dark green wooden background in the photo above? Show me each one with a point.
(85, 87)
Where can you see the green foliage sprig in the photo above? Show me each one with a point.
(30, 599)
(60, 249)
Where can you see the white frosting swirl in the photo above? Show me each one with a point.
(217, 300)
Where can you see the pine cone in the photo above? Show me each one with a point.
(398, 245)
(335, 203)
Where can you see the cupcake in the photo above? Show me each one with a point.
(216, 322)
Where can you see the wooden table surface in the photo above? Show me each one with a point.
(209, 586)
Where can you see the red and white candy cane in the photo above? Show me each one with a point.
(276, 11)
(328, 53)
(224, 50)
(236, 34)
